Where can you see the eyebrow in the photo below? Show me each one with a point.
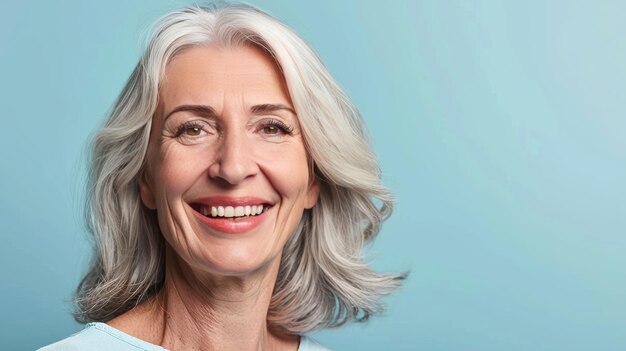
(204, 110)
(264, 108)
(208, 111)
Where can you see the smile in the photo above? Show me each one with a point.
(232, 212)
(231, 215)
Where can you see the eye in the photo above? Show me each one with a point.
(191, 130)
(274, 127)
(271, 130)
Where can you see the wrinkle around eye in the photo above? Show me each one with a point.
(190, 131)
(280, 129)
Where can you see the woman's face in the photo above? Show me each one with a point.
(226, 144)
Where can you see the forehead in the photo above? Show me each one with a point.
(210, 74)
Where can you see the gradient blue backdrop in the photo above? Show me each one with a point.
(500, 128)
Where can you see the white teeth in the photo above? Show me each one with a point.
(239, 211)
(230, 211)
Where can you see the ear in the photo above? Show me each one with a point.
(312, 193)
(145, 191)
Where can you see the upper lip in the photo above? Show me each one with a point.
(221, 200)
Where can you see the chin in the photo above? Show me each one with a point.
(233, 261)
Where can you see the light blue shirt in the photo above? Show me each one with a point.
(102, 337)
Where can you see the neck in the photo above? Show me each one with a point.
(213, 313)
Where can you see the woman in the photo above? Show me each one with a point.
(231, 194)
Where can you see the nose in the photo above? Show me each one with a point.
(234, 162)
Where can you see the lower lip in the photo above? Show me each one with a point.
(230, 226)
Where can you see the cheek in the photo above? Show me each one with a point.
(179, 167)
(286, 167)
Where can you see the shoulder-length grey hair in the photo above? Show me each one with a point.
(323, 279)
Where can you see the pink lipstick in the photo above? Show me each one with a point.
(232, 215)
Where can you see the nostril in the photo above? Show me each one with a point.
(233, 165)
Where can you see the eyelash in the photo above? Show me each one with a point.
(186, 126)
(276, 123)
(284, 128)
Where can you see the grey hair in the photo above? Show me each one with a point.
(323, 280)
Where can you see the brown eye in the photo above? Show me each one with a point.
(270, 130)
(193, 131)
(274, 128)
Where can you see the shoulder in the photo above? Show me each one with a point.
(309, 344)
(100, 337)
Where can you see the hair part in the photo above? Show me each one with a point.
(323, 280)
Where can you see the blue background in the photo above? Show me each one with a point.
(500, 127)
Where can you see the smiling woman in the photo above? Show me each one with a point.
(228, 154)
(231, 194)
